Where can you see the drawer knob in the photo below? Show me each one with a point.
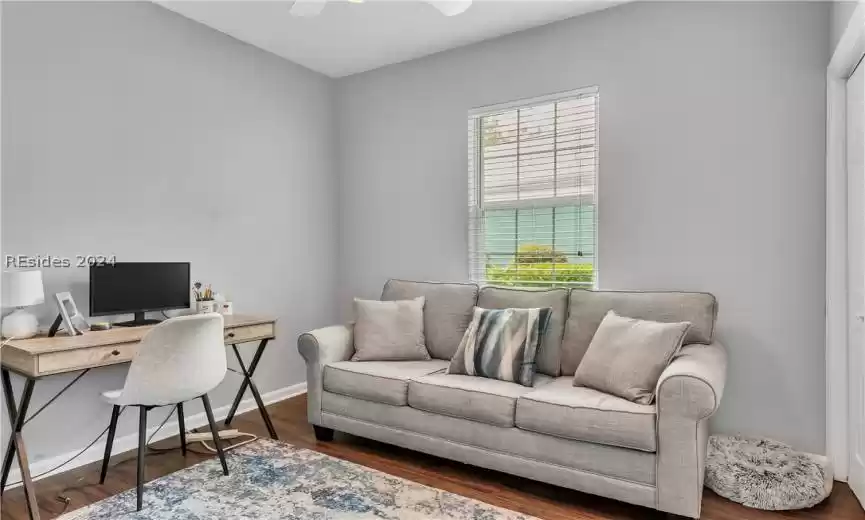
(230, 335)
(115, 352)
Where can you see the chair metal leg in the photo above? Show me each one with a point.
(182, 424)
(216, 442)
(109, 442)
(142, 444)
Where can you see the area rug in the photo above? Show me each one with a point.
(274, 480)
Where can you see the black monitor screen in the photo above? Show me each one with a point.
(127, 287)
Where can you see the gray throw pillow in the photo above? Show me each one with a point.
(389, 331)
(627, 356)
(502, 344)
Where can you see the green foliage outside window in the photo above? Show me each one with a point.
(536, 254)
(540, 266)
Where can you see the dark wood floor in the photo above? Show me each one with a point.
(533, 498)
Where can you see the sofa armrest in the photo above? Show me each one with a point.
(688, 393)
(318, 348)
(692, 385)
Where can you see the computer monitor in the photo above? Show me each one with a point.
(138, 287)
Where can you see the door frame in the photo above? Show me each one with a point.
(848, 53)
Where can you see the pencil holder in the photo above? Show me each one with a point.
(203, 307)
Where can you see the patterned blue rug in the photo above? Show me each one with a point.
(274, 480)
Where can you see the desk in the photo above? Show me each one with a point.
(43, 356)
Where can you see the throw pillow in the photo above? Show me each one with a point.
(502, 344)
(389, 331)
(627, 356)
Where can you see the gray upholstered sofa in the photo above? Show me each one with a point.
(578, 438)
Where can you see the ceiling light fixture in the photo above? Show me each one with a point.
(306, 8)
(451, 7)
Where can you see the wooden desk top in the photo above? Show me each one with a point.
(42, 355)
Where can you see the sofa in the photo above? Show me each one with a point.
(578, 438)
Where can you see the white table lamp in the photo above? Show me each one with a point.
(21, 289)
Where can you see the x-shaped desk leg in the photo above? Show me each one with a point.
(247, 382)
(17, 415)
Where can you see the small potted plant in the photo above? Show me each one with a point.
(204, 298)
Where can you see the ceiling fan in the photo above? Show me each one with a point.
(307, 8)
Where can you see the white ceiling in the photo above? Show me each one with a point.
(347, 38)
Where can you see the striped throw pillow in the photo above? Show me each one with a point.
(502, 344)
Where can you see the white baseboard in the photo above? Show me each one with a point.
(130, 442)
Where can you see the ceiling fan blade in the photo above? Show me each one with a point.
(451, 7)
(307, 8)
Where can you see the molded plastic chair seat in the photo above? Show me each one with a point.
(178, 360)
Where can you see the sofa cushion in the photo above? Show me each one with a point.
(523, 447)
(549, 356)
(476, 398)
(379, 381)
(389, 330)
(447, 312)
(627, 356)
(585, 414)
(587, 309)
(502, 344)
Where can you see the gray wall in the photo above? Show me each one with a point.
(130, 130)
(712, 159)
(711, 175)
(841, 12)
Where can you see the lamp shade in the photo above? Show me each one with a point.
(22, 288)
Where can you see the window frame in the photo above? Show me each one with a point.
(476, 204)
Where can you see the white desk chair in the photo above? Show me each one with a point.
(178, 360)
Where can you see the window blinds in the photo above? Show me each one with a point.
(533, 168)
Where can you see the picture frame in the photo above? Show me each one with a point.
(68, 316)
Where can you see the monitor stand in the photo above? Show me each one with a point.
(137, 322)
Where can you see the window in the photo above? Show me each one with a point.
(533, 168)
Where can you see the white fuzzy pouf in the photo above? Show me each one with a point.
(766, 474)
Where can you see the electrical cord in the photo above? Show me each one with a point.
(66, 500)
(92, 443)
(250, 437)
(55, 468)
(152, 435)
(63, 495)
(173, 409)
(56, 396)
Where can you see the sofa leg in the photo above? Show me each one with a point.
(322, 433)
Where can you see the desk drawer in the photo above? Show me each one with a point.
(86, 358)
(246, 333)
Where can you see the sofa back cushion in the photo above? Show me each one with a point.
(549, 357)
(447, 312)
(588, 308)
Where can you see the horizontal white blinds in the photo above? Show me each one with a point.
(532, 192)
